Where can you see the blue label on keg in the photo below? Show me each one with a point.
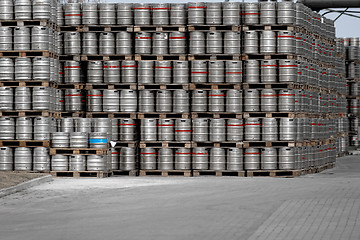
(104, 140)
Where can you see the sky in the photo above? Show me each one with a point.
(345, 26)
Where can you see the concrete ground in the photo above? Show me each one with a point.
(321, 206)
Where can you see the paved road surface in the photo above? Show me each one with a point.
(321, 206)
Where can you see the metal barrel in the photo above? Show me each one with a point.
(7, 69)
(216, 72)
(128, 100)
(41, 69)
(268, 71)
(111, 71)
(267, 42)
(24, 128)
(300, 129)
(183, 130)
(214, 42)
(60, 15)
(128, 71)
(231, 13)
(143, 43)
(89, 13)
(146, 101)
(287, 70)
(77, 163)
(142, 14)
(59, 43)
(286, 12)
(94, 101)
(67, 125)
(252, 129)
(217, 130)
(163, 71)
(268, 100)
(181, 101)
(270, 129)
(7, 98)
(252, 69)
(213, 13)
(74, 100)
(22, 9)
(288, 129)
(178, 14)
(216, 100)
(267, 13)
(78, 140)
(72, 72)
(235, 130)
(107, 13)
(5, 38)
(96, 162)
(6, 159)
(196, 13)
(200, 131)
(165, 159)
(98, 140)
(41, 98)
(197, 43)
(166, 129)
(41, 159)
(72, 43)
(127, 159)
(286, 158)
(23, 159)
(234, 159)
(89, 43)
(148, 129)
(163, 101)
(314, 128)
(148, 159)
(95, 72)
(145, 72)
(286, 42)
(183, 159)
(114, 158)
(269, 158)
(60, 140)
(251, 45)
(251, 100)
(298, 100)
(42, 128)
(107, 43)
(111, 100)
(233, 71)
(286, 100)
(217, 159)
(232, 43)
(21, 38)
(177, 43)
(252, 159)
(102, 125)
(234, 102)
(72, 13)
(199, 101)
(7, 10)
(199, 71)
(7, 126)
(200, 158)
(160, 14)
(125, 14)
(251, 13)
(82, 124)
(40, 38)
(124, 43)
(23, 68)
(128, 130)
(180, 72)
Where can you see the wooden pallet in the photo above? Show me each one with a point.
(163, 115)
(31, 171)
(131, 144)
(215, 115)
(78, 151)
(273, 173)
(268, 28)
(159, 144)
(95, 57)
(24, 84)
(165, 173)
(24, 113)
(218, 28)
(81, 174)
(268, 56)
(28, 53)
(24, 143)
(100, 86)
(270, 114)
(69, 85)
(163, 86)
(275, 85)
(25, 23)
(214, 57)
(167, 57)
(214, 86)
(68, 114)
(218, 173)
(217, 144)
(261, 144)
(110, 115)
(162, 28)
(96, 28)
(130, 173)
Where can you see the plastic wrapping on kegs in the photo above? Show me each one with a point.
(77, 163)
(74, 100)
(145, 72)
(216, 100)
(269, 158)
(163, 72)
(217, 130)
(268, 100)
(251, 13)
(251, 100)
(252, 129)
(267, 13)
(196, 13)
(128, 71)
(89, 43)
(234, 130)
(7, 126)
(286, 158)
(252, 159)
(178, 14)
(287, 70)
(231, 13)
(286, 100)
(72, 43)
(107, 43)
(163, 101)
(127, 159)
(233, 71)
(143, 43)
(111, 100)
(78, 140)
(21, 38)
(125, 14)
(95, 72)
(213, 13)
(127, 130)
(7, 10)
(23, 69)
(6, 159)
(200, 159)
(199, 101)
(41, 159)
(286, 12)
(111, 71)
(183, 130)
(252, 69)
(234, 101)
(40, 38)
(24, 128)
(72, 13)
(286, 42)
(23, 159)
(181, 101)
(216, 71)
(232, 43)
(166, 130)
(146, 101)
(217, 159)
(89, 13)
(128, 100)
(142, 14)
(160, 14)
(268, 71)
(7, 98)
(72, 72)
(180, 72)
(288, 129)
(124, 43)
(148, 159)
(148, 129)
(177, 43)
(41, 98)
(42, 128)
(267, 42)
(200, 130)
(214, 43)
(270, 129)
(197, 43)
(234, 159)
(183, 159)
(107, 13)
(60, 140)
(199, 71)
(5, 38)
(22, 9)
(6, 69)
